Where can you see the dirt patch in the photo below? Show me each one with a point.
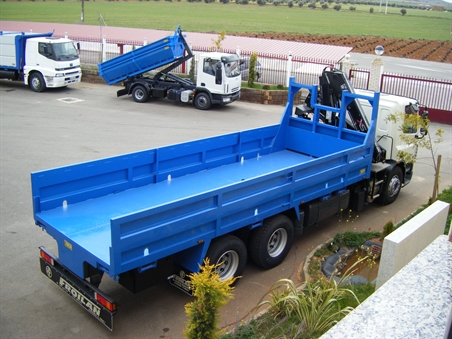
(419, 49)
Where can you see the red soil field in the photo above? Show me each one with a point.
(430, 50)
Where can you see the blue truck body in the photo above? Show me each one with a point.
(144, 59)
(128, 212)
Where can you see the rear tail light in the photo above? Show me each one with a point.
(47, 257)
(104, 302)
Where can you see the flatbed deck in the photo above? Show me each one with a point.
(87, 223)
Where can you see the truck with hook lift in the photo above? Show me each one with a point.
(218, 78)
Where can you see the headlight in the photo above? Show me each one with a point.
(59, 75)
(226, 99)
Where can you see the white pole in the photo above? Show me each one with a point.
(289, 68)
(104, 48)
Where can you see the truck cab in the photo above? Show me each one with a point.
(39, 60)
(56, 59)
(219, 74)
(388, 134)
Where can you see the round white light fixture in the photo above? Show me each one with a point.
(379, 50)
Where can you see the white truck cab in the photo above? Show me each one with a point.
(39, 60)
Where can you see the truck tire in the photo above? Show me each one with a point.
(202, 101)
(392, 187)
(140, 93)
(270, 243)
(230, 252)
(36, 82)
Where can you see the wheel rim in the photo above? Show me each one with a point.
(277, 242)
(139, 94)
(35, 83)
(227, 264)
(202, 101)
(394, 186)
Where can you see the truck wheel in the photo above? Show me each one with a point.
(270, 243)
(230, 252)
(140, 94)
(36, 82)
(202, 101)
(391, 187)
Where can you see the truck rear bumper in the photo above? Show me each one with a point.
(86, 295)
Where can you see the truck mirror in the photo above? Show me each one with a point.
(218, 74)
(78, 46)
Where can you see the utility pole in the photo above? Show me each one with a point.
(83, 12)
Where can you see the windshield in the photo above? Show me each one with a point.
(232, 69)
(60, 51)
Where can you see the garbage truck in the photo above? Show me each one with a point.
(39, 60)
(154, 215)
(218, 78)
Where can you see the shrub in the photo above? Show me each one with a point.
(316, 306)
(261, 2)
(403, 11)
(371, 10)
(290, 4)
(387, 229)
(252, 70)
(210, 294)
(325, 6)
(352, 8)
(337, 7)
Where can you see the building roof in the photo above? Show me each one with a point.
(301, 51)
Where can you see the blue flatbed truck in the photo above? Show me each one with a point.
(147, 216)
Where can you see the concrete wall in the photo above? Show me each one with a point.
(402, 245)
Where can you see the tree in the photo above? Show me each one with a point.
(210, 294)
(217, 43)
(415, 131)
(403, 11)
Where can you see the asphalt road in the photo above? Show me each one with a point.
(85, 122)
(408, 67)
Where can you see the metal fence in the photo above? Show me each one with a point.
(428, 92)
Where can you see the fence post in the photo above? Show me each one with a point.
(65, 35)
(376, 70)
(346, 65)
(289, 68)
(145, 41)
(104, 48)
(238, 51)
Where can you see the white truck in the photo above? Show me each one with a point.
(39, 60)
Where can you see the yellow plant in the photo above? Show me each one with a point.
(210, 294)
